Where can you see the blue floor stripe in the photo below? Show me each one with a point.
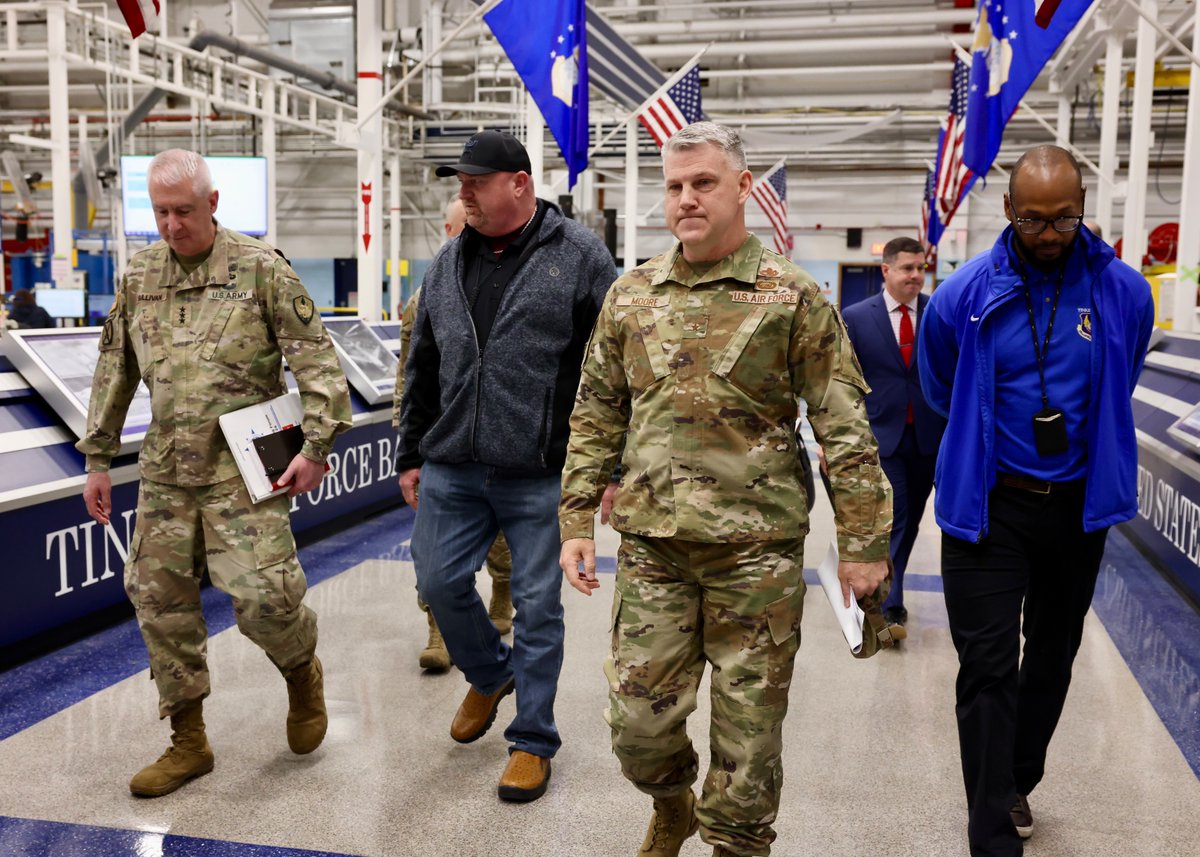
(41, 688)
(30, 838)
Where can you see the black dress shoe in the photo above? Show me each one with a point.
(895, 615)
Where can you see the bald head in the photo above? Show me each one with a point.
(1044, 204)
(1045, 164)
(455, 217)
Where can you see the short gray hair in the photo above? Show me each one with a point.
(702, 133)
(175, 166)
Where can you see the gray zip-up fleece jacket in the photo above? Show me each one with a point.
(508, 406)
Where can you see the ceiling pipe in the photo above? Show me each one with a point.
(201, 41)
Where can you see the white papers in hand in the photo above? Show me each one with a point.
(243, 426)
(849, 619)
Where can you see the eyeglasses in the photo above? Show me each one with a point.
(1037, 225)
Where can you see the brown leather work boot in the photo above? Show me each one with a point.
(188, 757)
(500, 610)
(525, 778)
(434, 656)
(307, 719)
(474, 717)
(673, 822)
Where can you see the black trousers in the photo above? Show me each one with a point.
(1035, 554)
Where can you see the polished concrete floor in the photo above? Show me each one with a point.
(871, 759)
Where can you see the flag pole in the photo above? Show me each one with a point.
(479, 12)
(1037, 117)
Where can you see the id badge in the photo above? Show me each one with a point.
(1050, 432)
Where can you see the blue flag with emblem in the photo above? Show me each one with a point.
(1013, 41)
(546, 42)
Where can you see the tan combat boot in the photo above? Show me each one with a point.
(188, 757)
(673, 822)
(500, 611)
(306, 720)
(434, 656)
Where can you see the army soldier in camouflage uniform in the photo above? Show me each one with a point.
(499, 559)
(697, 364)
(205, 317)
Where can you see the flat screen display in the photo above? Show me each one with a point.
(241, 183)
(1186, 429)
(60, 364)
(62, 303)
(369, 365)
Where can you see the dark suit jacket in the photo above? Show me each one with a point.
(893, 385)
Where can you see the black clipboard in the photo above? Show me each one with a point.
(276, 450)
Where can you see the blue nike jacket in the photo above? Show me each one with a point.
(957, 349)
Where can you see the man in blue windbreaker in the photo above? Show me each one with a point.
(1031, 350)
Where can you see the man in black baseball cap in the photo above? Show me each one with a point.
(489, 152)
(485, 439)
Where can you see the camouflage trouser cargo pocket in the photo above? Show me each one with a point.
(252, 556)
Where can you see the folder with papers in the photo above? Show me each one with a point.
(261, 438)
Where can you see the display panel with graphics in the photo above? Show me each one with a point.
(59, 364)
(1186, 430)
(369, 365)
(241, 183)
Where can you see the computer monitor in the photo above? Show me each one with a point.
(241, 183)
(63, 303)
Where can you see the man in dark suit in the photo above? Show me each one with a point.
(883, 329)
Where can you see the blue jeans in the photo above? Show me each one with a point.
(461, 508)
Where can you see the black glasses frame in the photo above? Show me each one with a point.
(1066, 223)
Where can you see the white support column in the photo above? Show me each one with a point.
(268, 150)
(631, 194)
(1188, 257)
(60, 130)
(394, 234)
(432, 40)
(1064, 119)
(1109, 122)
(369, 195)
(535, 144)
(1134, 246)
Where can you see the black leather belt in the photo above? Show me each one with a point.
(1035, 486)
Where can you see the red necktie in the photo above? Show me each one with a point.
(906, 345)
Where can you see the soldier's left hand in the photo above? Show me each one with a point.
(861, 578)
(302, 475)
(576, 552)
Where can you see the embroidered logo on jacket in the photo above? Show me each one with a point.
(1084, 328)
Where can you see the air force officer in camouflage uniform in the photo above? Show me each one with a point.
(205, 317)
(697, 364)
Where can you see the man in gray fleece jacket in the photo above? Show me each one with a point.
(506, 311)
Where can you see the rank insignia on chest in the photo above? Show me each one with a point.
(765, 286)
(304, 308)
(769, 272)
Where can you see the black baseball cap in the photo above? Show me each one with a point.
(489, 152)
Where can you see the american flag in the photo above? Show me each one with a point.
(138, 13)
(770, 192)
(929, 230)
(674, 109)
(954, 179)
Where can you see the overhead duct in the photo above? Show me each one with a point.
(200, 42)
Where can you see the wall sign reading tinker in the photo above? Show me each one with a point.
(241, 183)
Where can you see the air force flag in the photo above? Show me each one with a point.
(1011, 45)
(545, 41)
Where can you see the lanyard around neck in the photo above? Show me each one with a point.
(1041, 351)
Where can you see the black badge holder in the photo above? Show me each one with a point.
(1049, 424)
(276, 450)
